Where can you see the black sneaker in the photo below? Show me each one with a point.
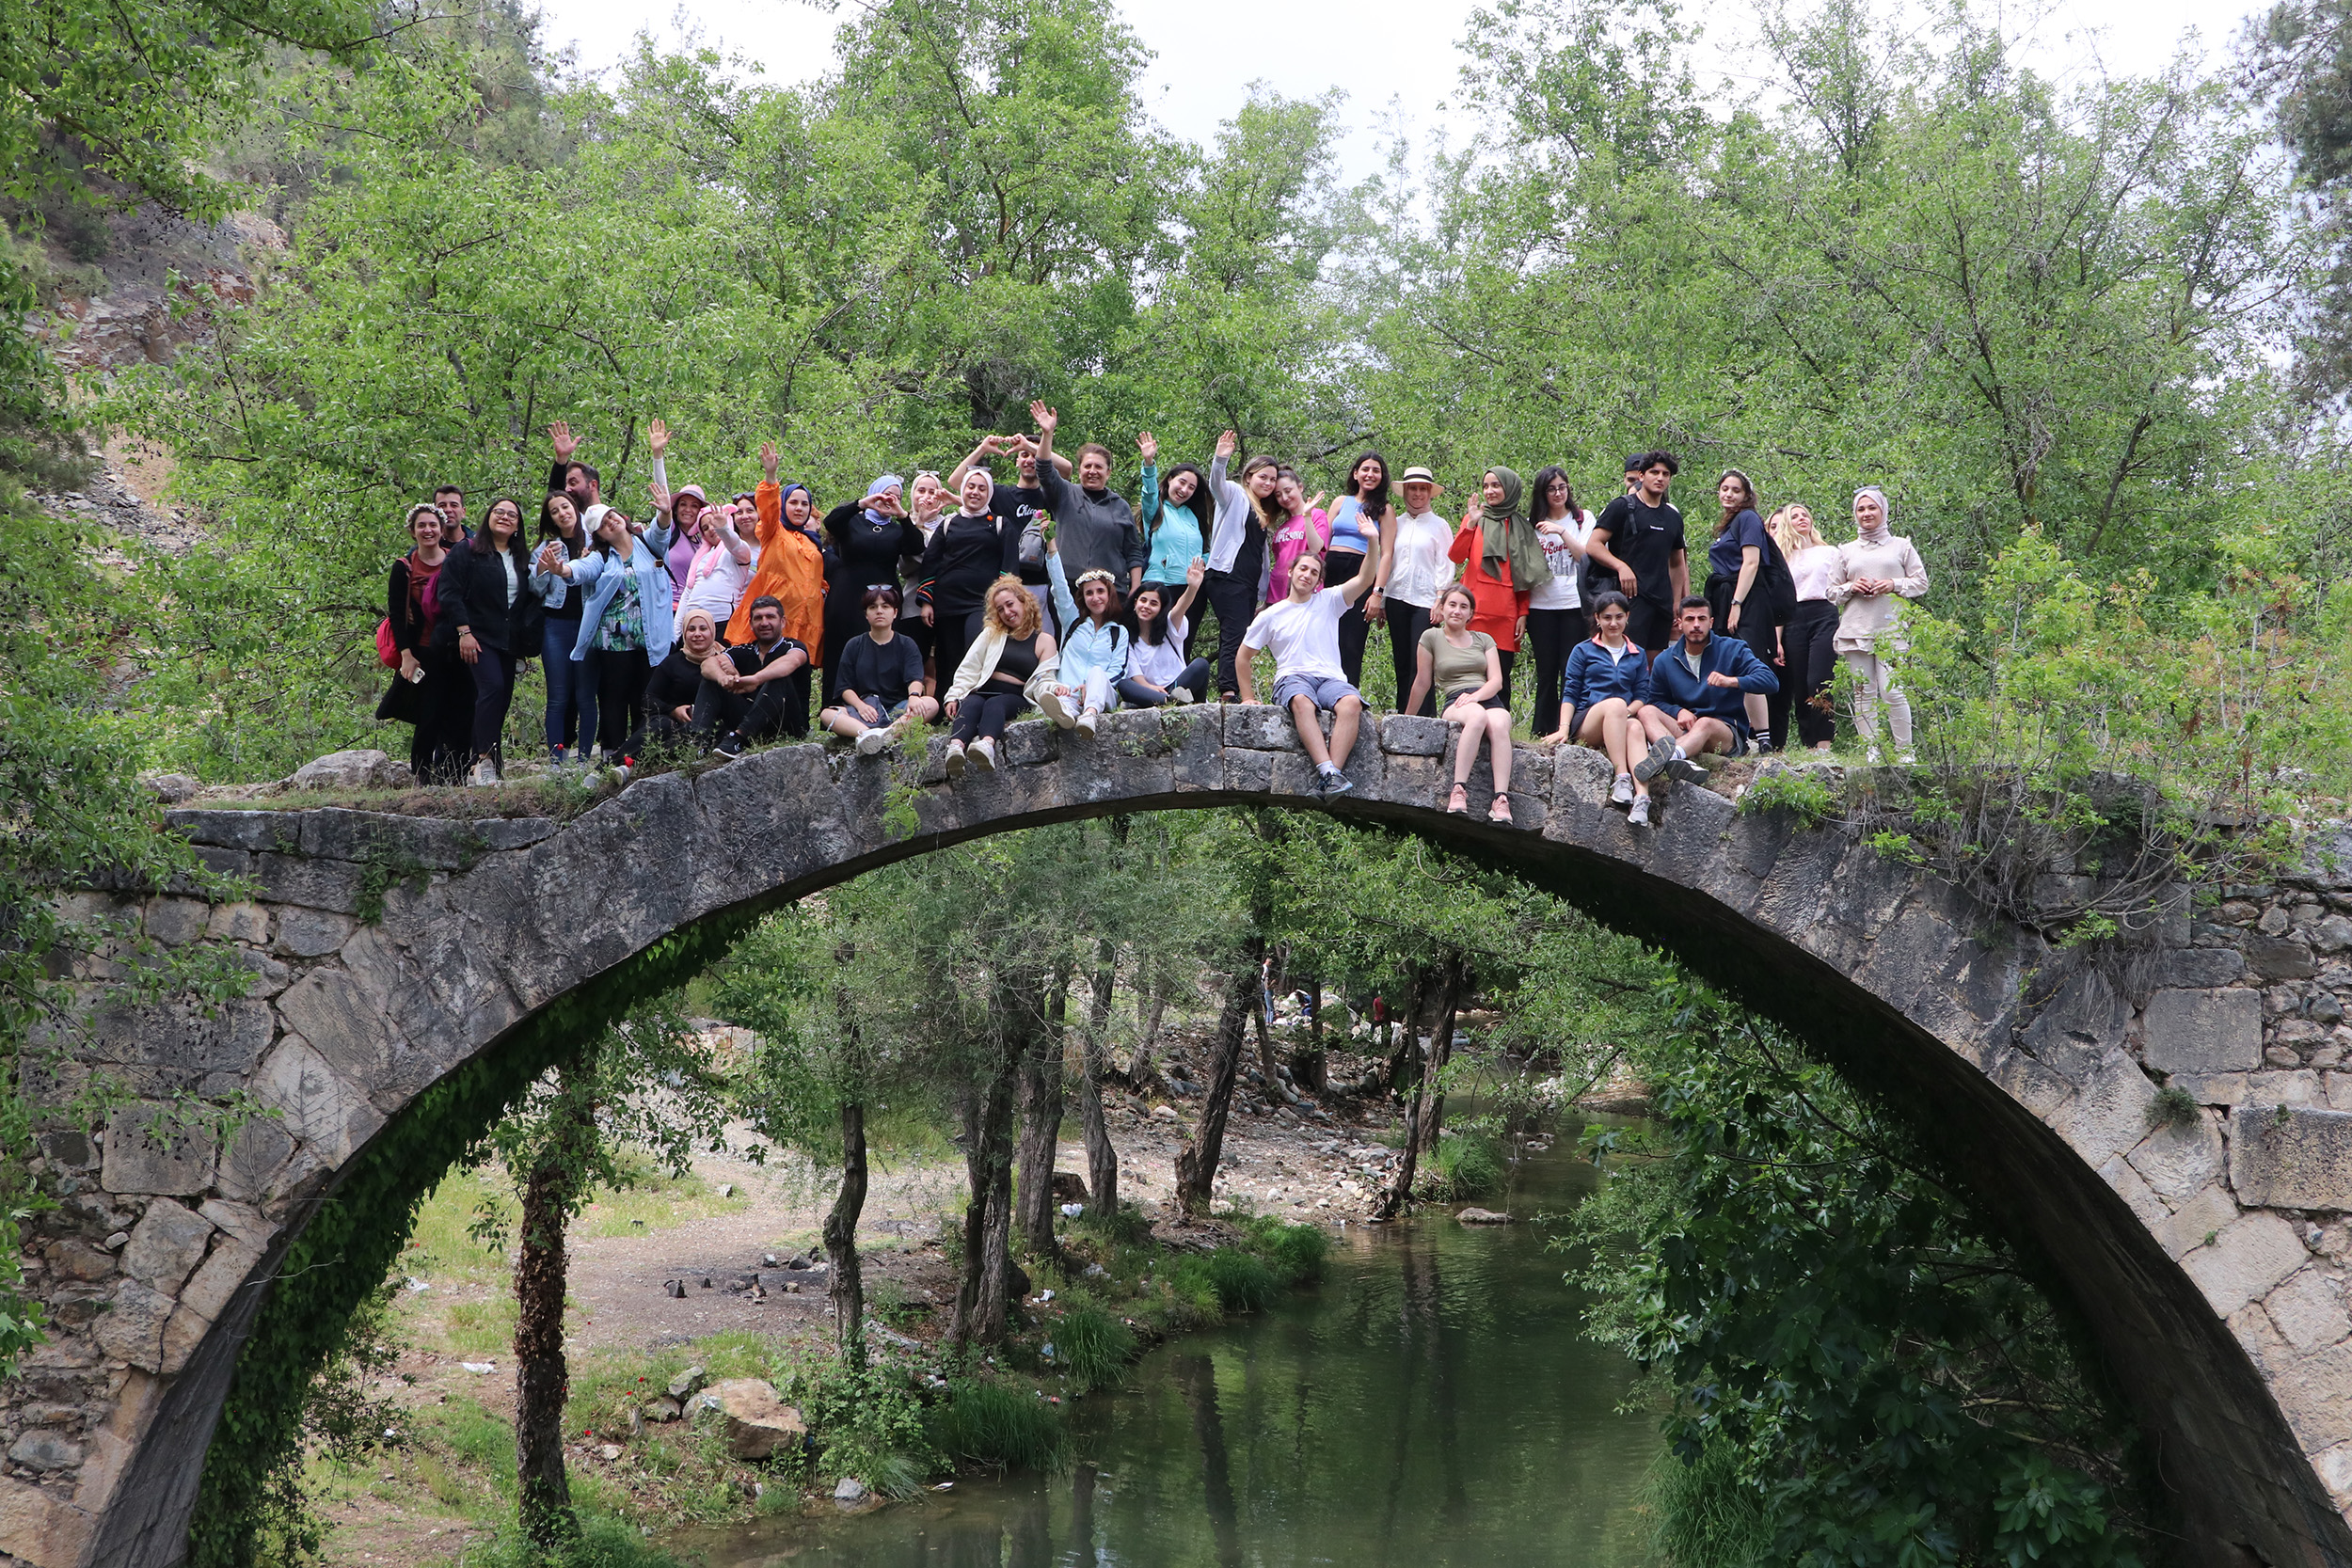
(730, 745)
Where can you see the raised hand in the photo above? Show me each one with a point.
(1148, 445)
(658, 440)
(1472, 513)
(1195, 572)
(1317, 501)
(1227, 444)
(660, 498)
(565, 443)
(768, 460)
(1047, 420)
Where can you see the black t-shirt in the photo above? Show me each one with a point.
(966, 556)
(674, 683)
(1646, 538)
(879, 672)
(749, 661)
(1016, 504)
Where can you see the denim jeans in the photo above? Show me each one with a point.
(571, 689)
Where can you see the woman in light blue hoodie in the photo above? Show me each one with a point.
(625, 620)
(1173, 505)
(1094, 645)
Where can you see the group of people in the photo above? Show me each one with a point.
(712, 624)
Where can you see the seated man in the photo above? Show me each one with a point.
(1303, 629)
(1695, 697)
(754, 690)
(677, 680)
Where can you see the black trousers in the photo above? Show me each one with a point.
(1340, 566)
(1235, 603)
(765, 712)
(953, 632)
(621, 678)
(493, 694)
(1810, 638)
(983, 715)
(1406, 621)
(1555, 633)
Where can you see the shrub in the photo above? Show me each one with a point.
(1092, 1345)
(866, 1421)
(603, 1543)
(1294, 1252)
(994, 1423)
(1778, 787)
(1464, 1167)
(1244, 1282)
(1196, 1299)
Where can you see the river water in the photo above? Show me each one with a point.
(1432, 1402)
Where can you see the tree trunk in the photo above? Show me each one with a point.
(542, 1377)
(1441, 1051)
(1268, 1068)
(983, 1297)
(841, 1260)
(1392, 1202)
(1308, 1067)
(1404, 1061)
(1197, 1161)
(1101, 1157)
(1040, 1123)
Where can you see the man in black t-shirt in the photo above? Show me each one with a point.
(1638, 539)
(758, 690)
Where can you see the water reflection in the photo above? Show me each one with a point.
(1433, 1404)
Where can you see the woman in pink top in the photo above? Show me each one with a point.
(1304, 531)
(1875, 574)
(1809, 640)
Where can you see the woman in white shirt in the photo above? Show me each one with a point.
(1414, 570)
(1555, 610)
(1157, 672)
(1809, 640)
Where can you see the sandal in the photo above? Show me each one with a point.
(1457, 803)
(1501, 810)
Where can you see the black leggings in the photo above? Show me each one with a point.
(1406, 621)
(983, 715)
(1234, 600)
(1339, 567)
(1555, 633)
(621, 678)
(1810, 638)
(493, 694)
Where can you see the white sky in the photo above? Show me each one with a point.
(1209, 51)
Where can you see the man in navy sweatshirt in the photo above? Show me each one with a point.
(1695, 697)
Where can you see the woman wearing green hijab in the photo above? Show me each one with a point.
(1502, 561)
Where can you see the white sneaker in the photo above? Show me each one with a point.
(871, 741)
(1639, 815)
(1056, 710)
(984, 754)
(1621, 793)
(484, 772)
(955, 759)
(1089, 720)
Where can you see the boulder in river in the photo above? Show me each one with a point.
(754, 1422)
(1481, 1216)
(851, 1492)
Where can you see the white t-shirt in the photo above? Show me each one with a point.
(1305, 637)
(1813, 569)
(1161, 664)
(1420, 571)
(714, 585)
(1566, 565)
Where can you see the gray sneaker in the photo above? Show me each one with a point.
(1181, 695)
(984, 754)
(1333, 780)
(1621, 793)
(1639, 815)
(1087, 720)
(1056, 708)
(954, 760)
(1661, 752)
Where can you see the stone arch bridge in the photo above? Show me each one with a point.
(412, 973)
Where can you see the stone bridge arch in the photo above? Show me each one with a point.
(413, 974)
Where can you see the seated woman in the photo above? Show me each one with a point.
(1463, 665)
(1603, 690)
(1007, 666)
(670, 691)
(1093, 649)
(1157, 671)
(882, 679)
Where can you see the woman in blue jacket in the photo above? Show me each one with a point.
(626, 619)
(1602, 692)
(1173, 505)
(1094, 645)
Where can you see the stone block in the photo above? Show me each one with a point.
(2198, 967)
(1032, 743)
(2126, 1184)
(177, 922)
(2309, 1308)
(341, 1020)
(1196, 737)
(2111, 1113)
(2290, 1157)
(2333, 935)
(184, 1331)
(1411, 735)
(45, 1450)
(256, 1153)
(2204, 1214)
(41, 1529)
(245, 1223)
(240, 922)
(2212, 1088)
(2251, 1253)
(312, 933)
(2277, 958)
(146, 1153)
(225, 863)
(2204, 1031)
(352, 770)
(133, 1329)
(313, 883)
(232, 830)
(2314, 1394)
(2299, 1086)
(319, 1105)
(74, 1259)
(209, 1290)
(2177, 1162)
(1248, 772)
(166, 1244)
(1257, 727)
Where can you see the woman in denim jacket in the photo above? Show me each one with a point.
(626, 620)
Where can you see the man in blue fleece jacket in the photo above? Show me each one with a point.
(1695, 697)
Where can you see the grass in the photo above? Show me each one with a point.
(1463, 1166)
(998, 1424)
(1091, 1345)
(1707, 1516)
(604, 1542)
(481, 1328)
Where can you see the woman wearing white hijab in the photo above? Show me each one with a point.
(1875, 573)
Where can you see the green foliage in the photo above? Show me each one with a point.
(1090, 1344)
(867, 1421)
(1709, 1513)
(999, 1425)
(1295, 1252)
(1463, 1166)
(1244, 1282)
(2174, 1106)
(1806, 796)
(602, 1542)
(1842, 1335)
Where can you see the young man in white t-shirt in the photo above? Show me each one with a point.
(1303, 629)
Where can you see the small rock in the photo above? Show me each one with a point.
(479, 1367)
(684, 1386)
(170, 788)
(755, 1420)
(727, 1189)
(677, 1287)
(851, 1492)
(706, 1282)
(608, 1451)
(1481, 1216)
(1164, 1113)
(355, 769)
(1096, 1271)
(768, 1259)
(115, 1242)
(664, 1409)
